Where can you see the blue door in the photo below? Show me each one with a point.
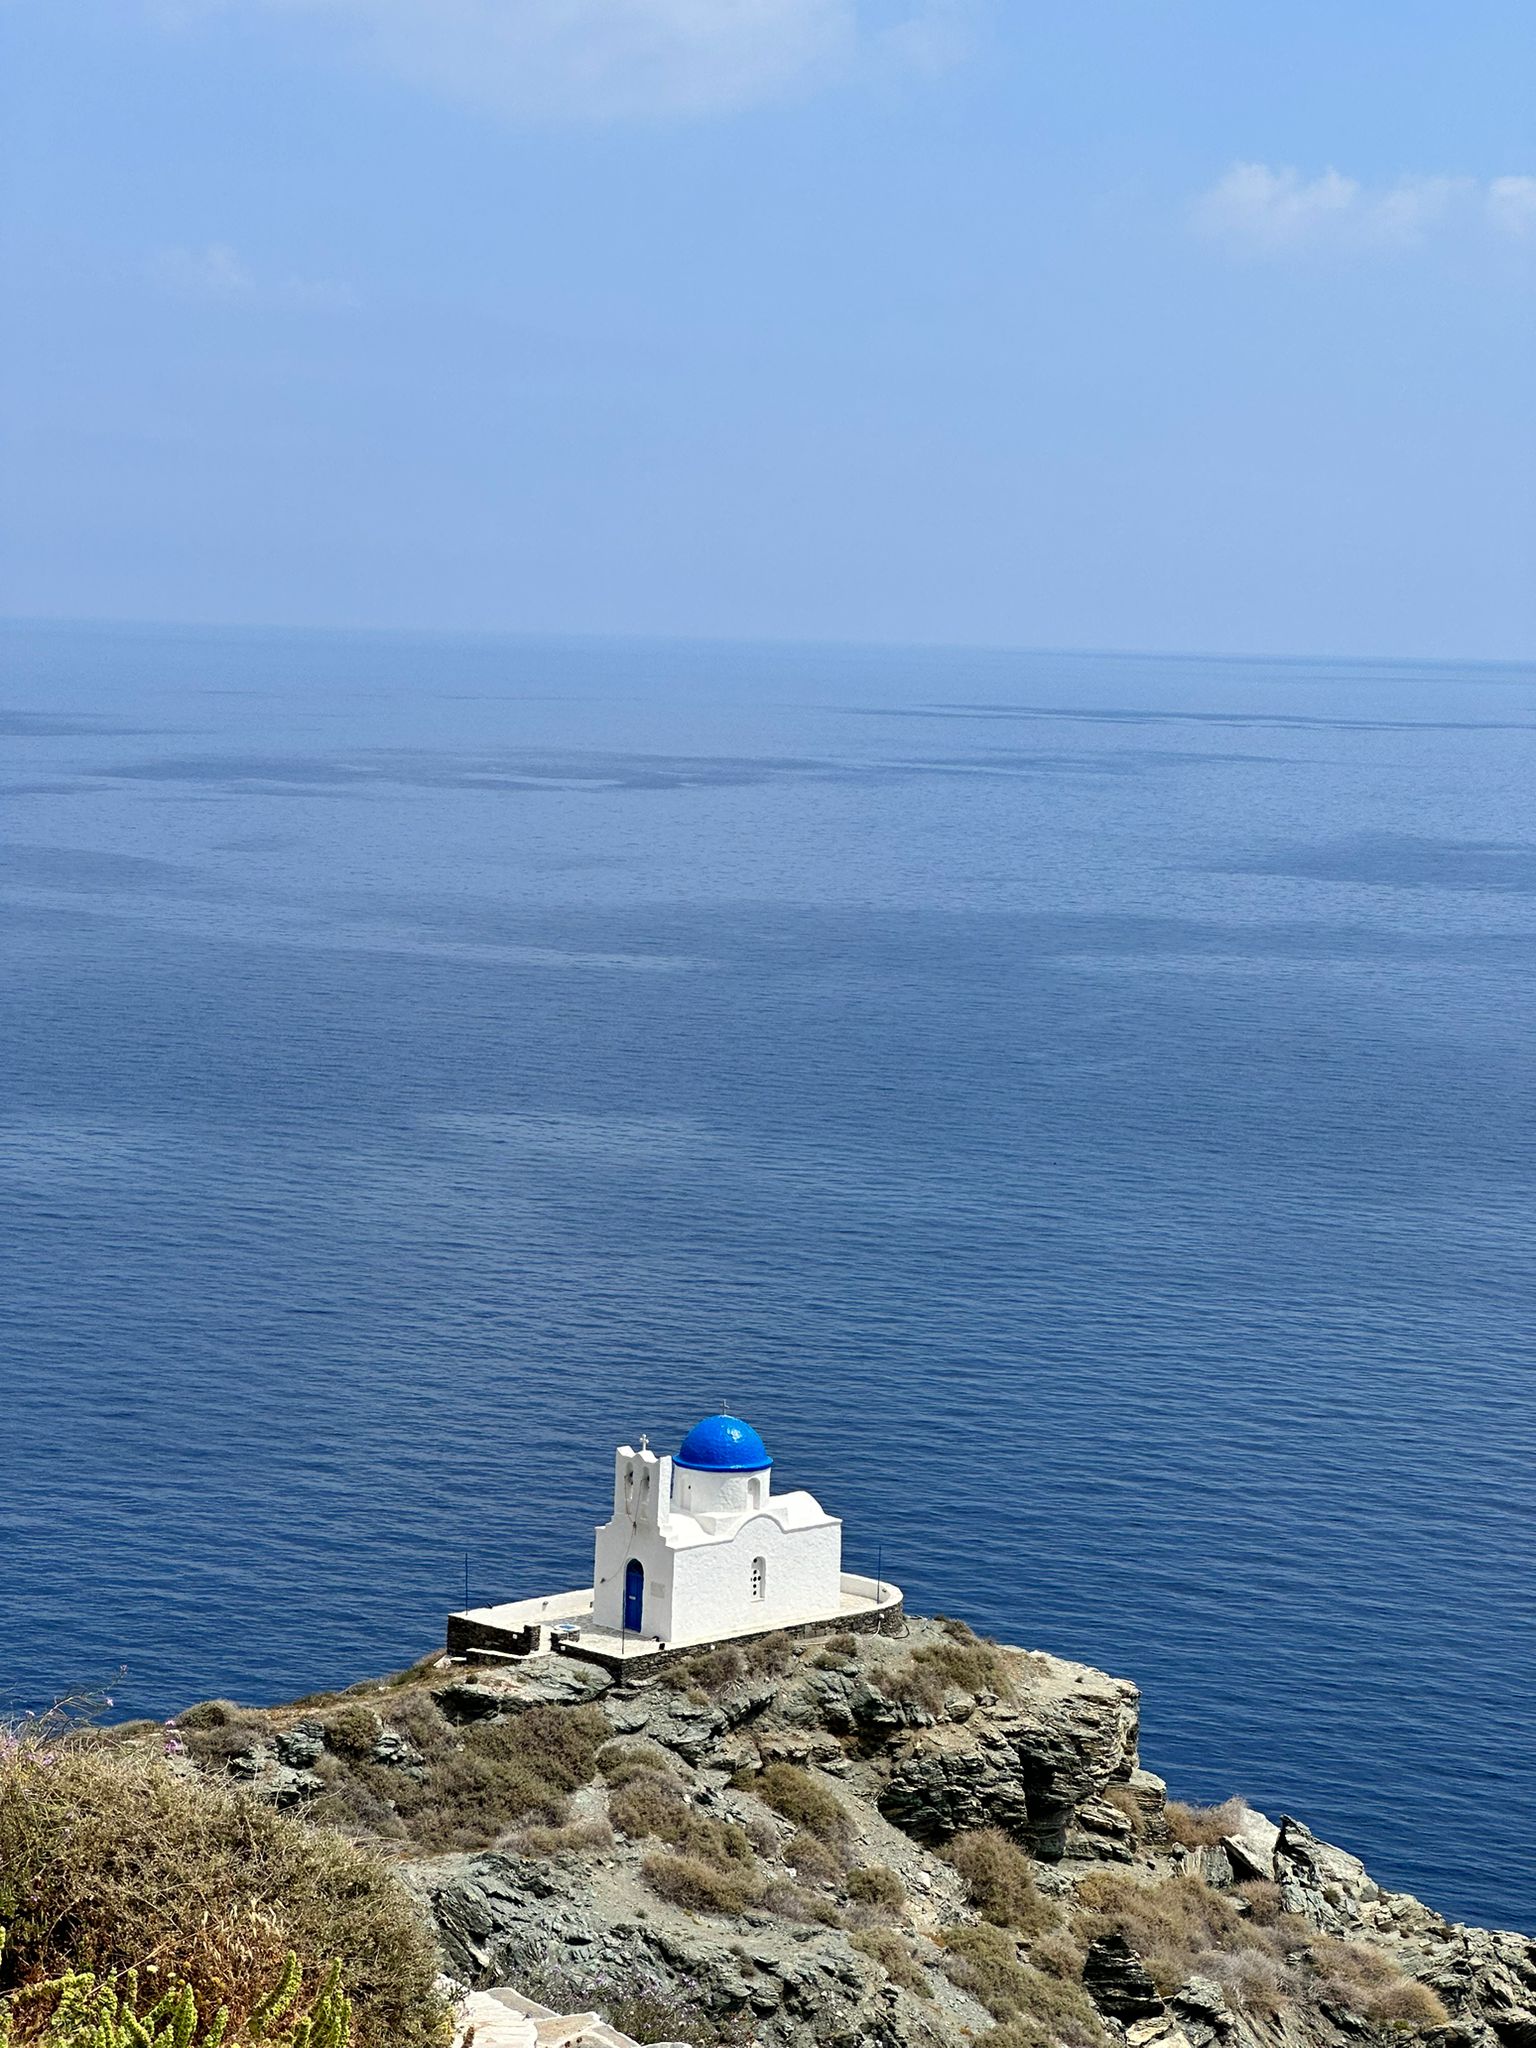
(634, 1594)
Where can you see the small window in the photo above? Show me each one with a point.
(759, 1577)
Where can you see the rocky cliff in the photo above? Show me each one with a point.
(864, 1842)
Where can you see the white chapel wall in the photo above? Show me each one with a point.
(711, 1593)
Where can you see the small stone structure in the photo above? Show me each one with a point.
(698, 1550)
(503, 2018)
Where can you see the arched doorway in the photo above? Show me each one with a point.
(634, 1594)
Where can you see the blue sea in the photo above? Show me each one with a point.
(1079, 1108)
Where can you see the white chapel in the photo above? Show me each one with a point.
(698, 1549)
(699, 1546)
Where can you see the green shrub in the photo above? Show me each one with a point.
(468, 1799)
(352, 1731)
(699, 1886)
(802, 1798)
(108, 1855)
(999, 1881)
(894, 1955)
(558, 1744)
(82, 2010)
(875, 1885)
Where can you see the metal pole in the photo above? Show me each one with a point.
(879, 1572)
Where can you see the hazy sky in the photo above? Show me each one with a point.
(1150, 324)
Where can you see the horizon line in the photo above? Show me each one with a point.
(845, 644)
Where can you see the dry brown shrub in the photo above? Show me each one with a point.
(894, 1955)
(1124, 1800)
(760, 1832)
(209, 1714)
(1260, 1981)
(999, 1881)
(1180, 1926)
(936, 1670)
(768, 1656)
(701, 1887)
(1361, 1978)
(649, 1805)
(875, 1885)
(646, 1803)
(215, 1748)
(418, 1717)
(559, 1743)
(357, 1799)
(802, 1798)
(794, 1902)
(576, 1835)
(707, 1671)
(634, 1756)
(1262, 1900)
(467, 1801)
(1202, 1827)
(1058, 1955)
(985, 1962)
(111, 1858)
(810, 1858)
(503, 1772)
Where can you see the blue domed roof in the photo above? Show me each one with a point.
(722, 1444)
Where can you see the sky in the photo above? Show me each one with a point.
(1142, 324)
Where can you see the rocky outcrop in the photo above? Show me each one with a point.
(1252, 1933)
(1117, 1980)
(1050, 1760)
(501, 1918)
(1034, 1766)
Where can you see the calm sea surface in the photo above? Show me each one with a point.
(1080, 1109)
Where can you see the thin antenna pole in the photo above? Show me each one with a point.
(879, 1572)
(466, 1581)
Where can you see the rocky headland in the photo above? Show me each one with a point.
(912, 1841)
